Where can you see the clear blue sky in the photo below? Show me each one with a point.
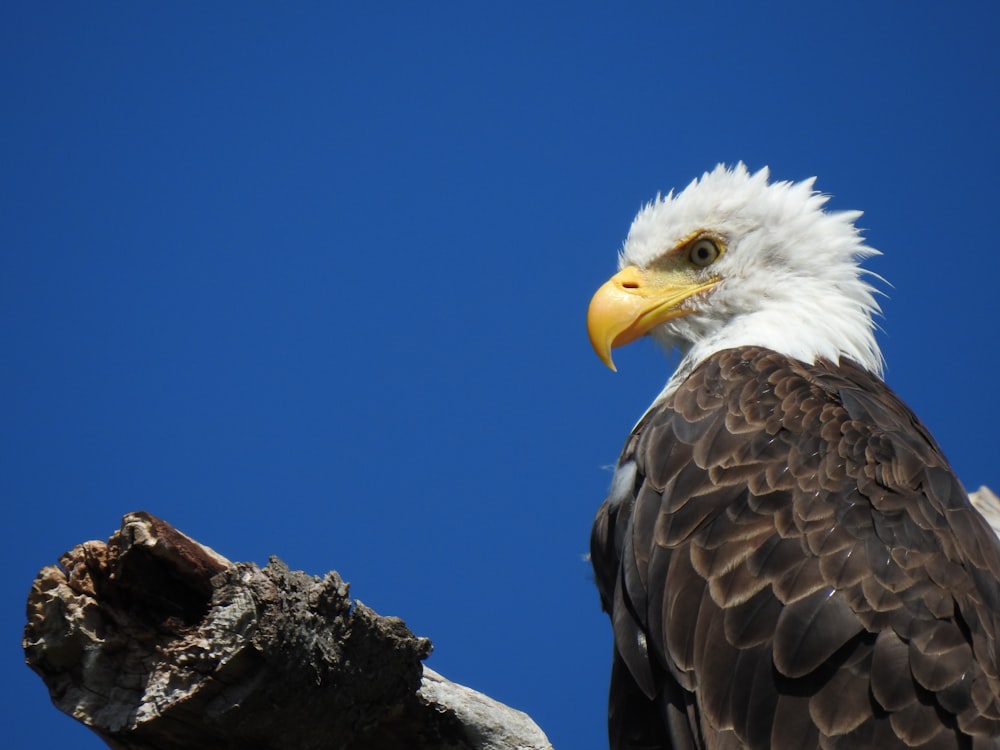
(310, 281)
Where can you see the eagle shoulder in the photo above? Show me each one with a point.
(789, 561)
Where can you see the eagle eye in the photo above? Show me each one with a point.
(704, 252)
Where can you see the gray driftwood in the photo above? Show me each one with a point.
(155, 641)
(988, 504)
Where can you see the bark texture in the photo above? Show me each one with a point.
(155, 641)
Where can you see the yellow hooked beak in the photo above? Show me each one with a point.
(634, 301)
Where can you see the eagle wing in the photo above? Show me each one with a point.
(789, 562)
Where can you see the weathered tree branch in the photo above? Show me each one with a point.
(155, 641)
(987, 503)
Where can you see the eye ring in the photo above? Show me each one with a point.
(704, 252)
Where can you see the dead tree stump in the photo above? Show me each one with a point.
(155, 641)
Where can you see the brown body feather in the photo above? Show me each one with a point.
(795, 565)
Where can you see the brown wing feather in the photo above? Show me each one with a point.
(789, 562)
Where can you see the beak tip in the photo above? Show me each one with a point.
(602, 350)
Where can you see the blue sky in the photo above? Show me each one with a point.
(310, 280)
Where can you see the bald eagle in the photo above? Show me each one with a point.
(786, 556)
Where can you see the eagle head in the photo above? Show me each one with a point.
(735, 260)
